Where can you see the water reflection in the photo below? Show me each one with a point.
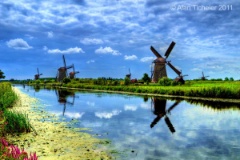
(216, 105)
(134, 127)
(159, 109)
(63, 95)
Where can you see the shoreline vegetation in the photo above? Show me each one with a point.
(210, 90)
(49, 138)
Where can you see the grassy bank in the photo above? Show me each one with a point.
(206, 89)
(11, 122)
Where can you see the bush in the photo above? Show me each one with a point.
(66, 80)
(165, 81)
(127, 81)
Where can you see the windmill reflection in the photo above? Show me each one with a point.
(62, 96)
(159, 109)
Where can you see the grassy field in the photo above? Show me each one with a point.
(206, 89)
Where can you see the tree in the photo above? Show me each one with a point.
(1, 74)
(226, 79)
(146, 78)
(127, 81)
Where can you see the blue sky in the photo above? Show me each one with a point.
(104, 38)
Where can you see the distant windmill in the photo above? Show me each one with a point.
(62, 71)
(73, 73)
(37, 76)
(180, 78)
(128, 75)
(203, 77)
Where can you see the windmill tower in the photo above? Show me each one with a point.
(73, 73)
(203, 77)
(129, 74)
(37, 76)
(62, 71)
(160, 62)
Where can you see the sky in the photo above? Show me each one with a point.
(107, 38)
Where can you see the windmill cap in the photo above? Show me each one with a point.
(159, 60)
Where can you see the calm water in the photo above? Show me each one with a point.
(150, 128)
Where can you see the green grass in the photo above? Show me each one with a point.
(207, 89)
(11, 121)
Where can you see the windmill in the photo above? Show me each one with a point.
(73, 73)
(160, 111)
(37, 76)
(159, 70)
(129, 74)
(62, 71)
(180, 79)
(203, 77)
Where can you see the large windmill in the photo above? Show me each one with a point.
(62, 71)
(37, 76)
(160, 62)
(73, 73)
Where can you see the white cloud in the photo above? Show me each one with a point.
(196, 69)
(50, 34)
(107, 50)
(67, 51)
(147, 59)
(130, 108)
(90, 61)
(91, 104)
(132, 57)
(69, 114)
(18, 44)
(45, 48)
(88, 41)
(107, 115)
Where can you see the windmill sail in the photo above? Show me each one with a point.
(174, 69)
(169, 49)
(155, 52)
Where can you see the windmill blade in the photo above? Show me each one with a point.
(73, 68)
(64, 61)
(169, 124)
(155, 52)
(173, 106)
(202, 74)
(37, 71)
(169, 49)
(155, 121)
(174, 69)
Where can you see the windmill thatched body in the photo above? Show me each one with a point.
(73, 73)
(159, 69)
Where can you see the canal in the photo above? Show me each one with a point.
(149, 128)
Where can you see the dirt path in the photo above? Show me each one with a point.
(53, 140)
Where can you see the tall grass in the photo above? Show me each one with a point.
(16, 122)
(11, 121)
(7, 96)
